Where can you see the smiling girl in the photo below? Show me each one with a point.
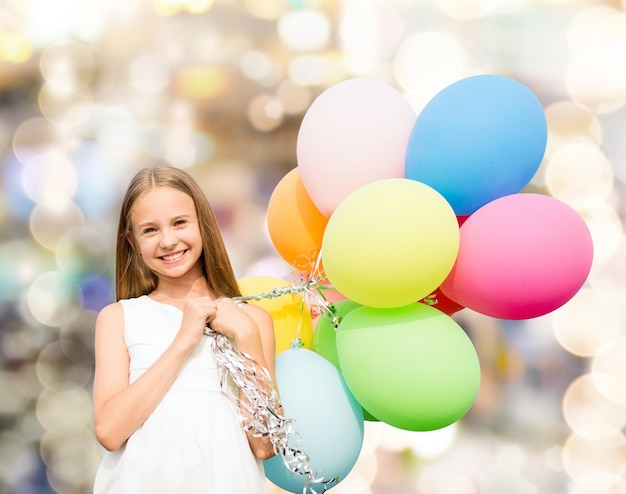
(159, 409)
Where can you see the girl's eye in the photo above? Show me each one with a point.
(148, 230)
(180, 222)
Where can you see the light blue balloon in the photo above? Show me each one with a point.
(326, 417)
(481, 138)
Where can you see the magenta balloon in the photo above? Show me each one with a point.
(521, 256)
(354, 133)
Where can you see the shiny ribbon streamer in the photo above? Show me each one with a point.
(260, 408)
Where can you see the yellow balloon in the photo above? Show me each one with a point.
(390, 243)
(290, 313)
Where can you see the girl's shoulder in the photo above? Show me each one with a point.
(117, 308)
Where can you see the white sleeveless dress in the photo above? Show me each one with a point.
(193, 442)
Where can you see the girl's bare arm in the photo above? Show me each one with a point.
(121, 408)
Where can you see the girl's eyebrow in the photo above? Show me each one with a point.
(173, 218)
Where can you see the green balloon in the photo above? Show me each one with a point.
(324, 337)
(412, 367)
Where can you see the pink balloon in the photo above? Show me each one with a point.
(521, 256)
(354, 133)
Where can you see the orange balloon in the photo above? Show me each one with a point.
(295, 225)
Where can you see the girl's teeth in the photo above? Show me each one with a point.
(174, 257)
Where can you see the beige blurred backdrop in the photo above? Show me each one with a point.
(93, 90)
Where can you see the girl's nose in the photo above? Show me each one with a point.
(168, 239)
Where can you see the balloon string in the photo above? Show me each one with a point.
(309, 287)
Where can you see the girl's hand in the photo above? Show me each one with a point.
(197, 312)
(231, 320)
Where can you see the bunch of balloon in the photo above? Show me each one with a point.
(479, 142)
(386, 242)
(415, 217)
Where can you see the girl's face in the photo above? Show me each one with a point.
(166, 233)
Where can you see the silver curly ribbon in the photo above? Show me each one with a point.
(260, 408)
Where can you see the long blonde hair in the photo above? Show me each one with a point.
(132, 277)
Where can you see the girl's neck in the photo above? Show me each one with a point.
(179, 290)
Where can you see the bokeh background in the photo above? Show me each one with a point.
(93, 90)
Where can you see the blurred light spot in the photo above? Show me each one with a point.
(444, 479)
(80, 329)
(588, 86)
(20, 263)
(265, 113)
(610, 277)
(84, 250)
(14, 47)
(13, 400)
(260, 67)
(266, 9)
(47, 22)
(467, 9)
(295, 99)
(426, 62)
(271, 265)
(587, 323)
(394, 439)
(359, 35)
(67, 68)
(606, 231)
(71, 457)
(35, 136)
(97, 291)
(596, 77)
(618, 485)
(304, 30)
(312, 70)
(47, 225)
(50, 179)
(582, 29)
(64, 407)
(553, 457)
(365, 470)
(579, 174)
(568, 120)
(595, 464)
(587, 411)
(201, 82)
(62, 362)
(99, 189)
(18, 204)
(369, 33)
(13, 449)
(507, 467)
(115, 132)
(52, 298)
(66, 111)
(178, 146)
(149, 73)
(430, 444)
(610, 361)
(171, 7)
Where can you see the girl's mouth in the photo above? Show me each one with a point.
(173, 257)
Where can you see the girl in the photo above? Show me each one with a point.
(159, 410)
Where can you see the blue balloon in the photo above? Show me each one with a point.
(481, 138)
(327, 420)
